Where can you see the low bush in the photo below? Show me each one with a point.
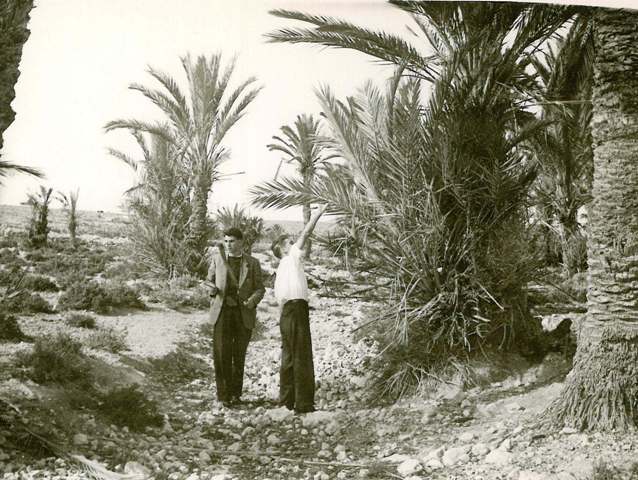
(126, 269)
(181, 294)
(108, 339)
(38, 283)
(130, 407)
(26, 303)
(10, 258)
(7, 242)
(57, 359)
(100, 298)
(80, 320)
(10, 330)
(179, 366)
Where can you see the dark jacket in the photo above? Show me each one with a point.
(250, 290)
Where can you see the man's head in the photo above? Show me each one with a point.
(234, 241)
(281, 246)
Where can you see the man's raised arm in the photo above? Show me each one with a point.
(310, 226)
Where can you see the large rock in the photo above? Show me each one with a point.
(499, 457)
(455, 456)
(279, 414)
(314, 419)
(409, 467)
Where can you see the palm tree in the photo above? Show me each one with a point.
(197, 124)
(39, 226)
(159, 203)
(70, 205)
(302, 146)
(14, 16)
(601, 391)
(563, 150)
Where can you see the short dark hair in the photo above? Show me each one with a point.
(234, 232)
(275, 246)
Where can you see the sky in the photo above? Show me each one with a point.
(82, 55)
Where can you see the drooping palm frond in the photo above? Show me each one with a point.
(7, 167)
(332, 32)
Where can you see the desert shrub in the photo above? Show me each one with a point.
(130, 407)
(100, 298)
(67, 266)
(108, 339)
(38, 283)
(179, 366)
(80, 320)
(36, 256)
(7, 242)
(10, 330)
(126, 269)
(603, 470)
(183, 293)
(25, 303)
(57, 359)
(10, 258)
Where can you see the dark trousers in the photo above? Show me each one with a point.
(230, 342)
(297, 376)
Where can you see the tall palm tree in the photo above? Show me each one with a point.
(563, 150)
(302, 146)
(601, 391)
(14, 16)
(198, 123)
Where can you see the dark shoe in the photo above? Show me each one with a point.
(302, 410)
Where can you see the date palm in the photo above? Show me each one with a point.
(563, 150)
(601, 391)
(198, 123)
(301, 146)
(70, 205)
(14, 15)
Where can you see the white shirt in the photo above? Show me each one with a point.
(290, 282)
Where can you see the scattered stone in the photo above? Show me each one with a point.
(569, 431)
(80, 439)
(531, 475)
(279, 414)
(467, 437)
(499, 457)
(480, 449)
(273, 439)
(397, 458)
(409, 467)
(455, 455)
(434, 464)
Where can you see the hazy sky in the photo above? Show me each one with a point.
(82, 55)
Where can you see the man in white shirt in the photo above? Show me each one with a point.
(297, 377)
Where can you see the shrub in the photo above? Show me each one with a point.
(10, 258)
(38, 283)
(10, 330)
(130, 407)
(57, 359)
(179, 366)
(100, 298)
(80, 320)
(183, 293)
(108, 339)
(26, 303)
(8, 242)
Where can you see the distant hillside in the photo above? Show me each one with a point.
(108, 224)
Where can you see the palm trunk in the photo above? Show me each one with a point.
(198, 231)
(13, 35)
(307, 180)
(601, 391)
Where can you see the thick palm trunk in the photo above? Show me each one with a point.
(601, 391)
(14, 15)
(198, 231)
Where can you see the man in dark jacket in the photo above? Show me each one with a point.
(236, 289)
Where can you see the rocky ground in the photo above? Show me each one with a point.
(486, 433)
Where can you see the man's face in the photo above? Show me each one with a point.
(285, 246)
(233, 245)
